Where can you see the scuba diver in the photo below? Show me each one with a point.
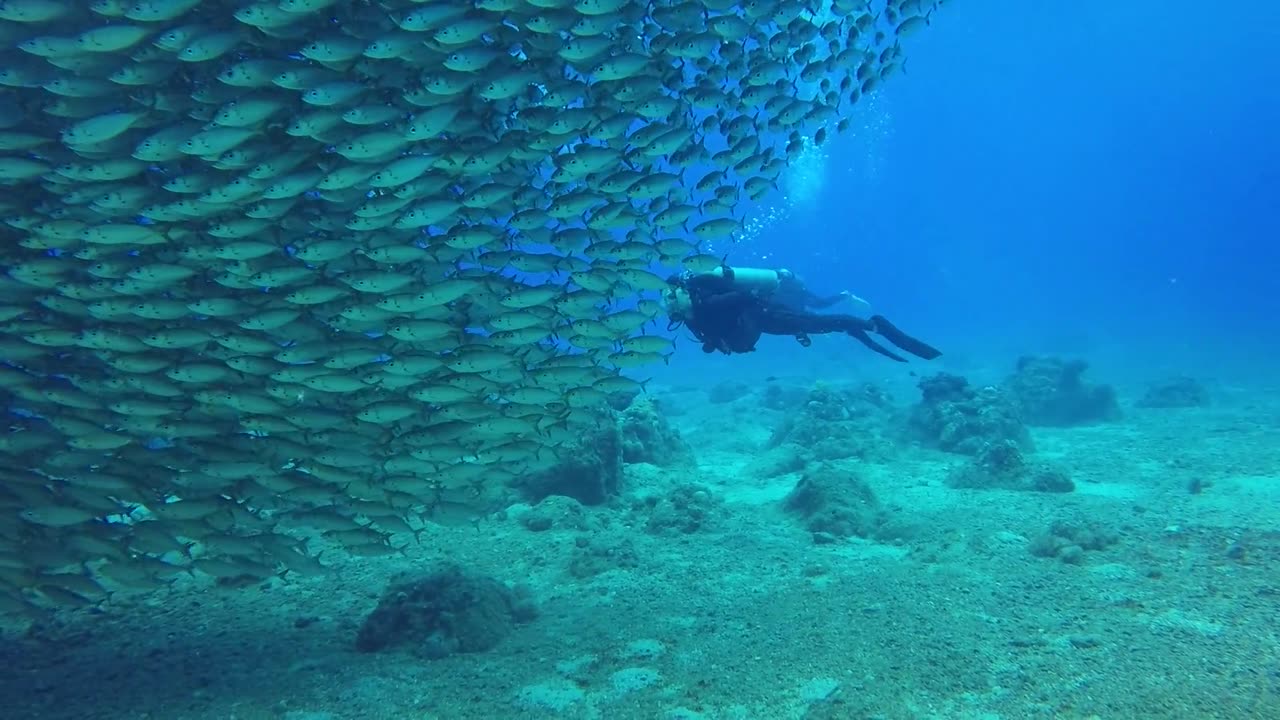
(728, 309)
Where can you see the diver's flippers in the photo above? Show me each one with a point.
(866, 340)
(916, 347)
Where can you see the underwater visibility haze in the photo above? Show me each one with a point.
(701, 360)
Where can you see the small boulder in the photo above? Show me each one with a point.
(1002, 466)
(444, 611)
(1068, 541)
(601, 552)
(647, 437)
(955, 417)
(834, 503)
(1182, 392)
(1052, 392)
(555, 512)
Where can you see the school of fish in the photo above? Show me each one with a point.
(290, 276)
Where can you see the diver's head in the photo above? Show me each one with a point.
(678, 304)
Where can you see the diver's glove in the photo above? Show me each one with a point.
(861, 302)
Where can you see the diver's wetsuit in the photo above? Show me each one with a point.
(731, 321)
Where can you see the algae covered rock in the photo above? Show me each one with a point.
(1069, 541)
(837, 423)
(954, 417)
(683, 510)
(601, 552)
(835, 503)
(444, 611)
(1052, 392)
(555, 512)
(1002, 466)
(647, 437)
(1182, 392)
(589, 470)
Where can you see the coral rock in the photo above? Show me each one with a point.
(1052, 392)
(443, 612)
(954, 417)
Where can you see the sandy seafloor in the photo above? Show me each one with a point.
(749, 618)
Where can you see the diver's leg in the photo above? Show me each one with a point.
(888, 331)
(785, 321)
(802, 324)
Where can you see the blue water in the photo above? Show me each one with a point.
(1089, 179)
(1085, 177)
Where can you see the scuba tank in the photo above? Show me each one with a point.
(757, 281)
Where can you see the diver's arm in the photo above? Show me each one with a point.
(820, 302)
